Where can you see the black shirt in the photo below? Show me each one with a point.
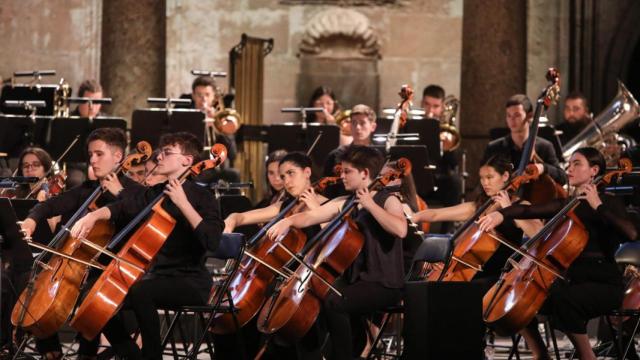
(570, 130)
(381, 257)
(543, 148)
(183, 253)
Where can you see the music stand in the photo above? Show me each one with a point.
(45, 93)
(19, 131)
(150, 124)
(293, 137)
(63, 132)
(427, 129)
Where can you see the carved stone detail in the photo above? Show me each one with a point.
(340, 33)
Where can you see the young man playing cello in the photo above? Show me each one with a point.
(106, 149)
(375, 279)
(178, 276)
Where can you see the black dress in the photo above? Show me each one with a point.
(594, 285)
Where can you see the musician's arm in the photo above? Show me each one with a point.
(254, 216)
(460, 212)
(613, 212)
(551, 164)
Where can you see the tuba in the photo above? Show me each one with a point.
(449, 134)
(602, 132)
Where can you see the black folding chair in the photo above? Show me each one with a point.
(231, 248)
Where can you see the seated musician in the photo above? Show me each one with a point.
(295, 172)
(576, 116)
(205, 96)
(519, 113)
(363, 125)
(33, 162)
(152, 177)
(595, 287)
(323, 97)
(178, 276)
(89, 89)
(375, 279)
(106, 149)
(274, 181)
(447, 181)
(494, 175)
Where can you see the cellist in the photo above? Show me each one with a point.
(376, 278)
(494, 175)
(106, 149)
(178, 276)
(595, 284)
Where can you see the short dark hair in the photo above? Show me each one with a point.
(364, 157)
(298, 158)
(188, 142)
(90, 85)
(204, 81)
(577, 95)
(275, 156)
(520, 99)
(112, 136)
(363, 109)
(434, 91)
(41, 154)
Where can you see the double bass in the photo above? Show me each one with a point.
(324, 258)
(259, 268)
(154, 225)
(49, 298)
(516, 298)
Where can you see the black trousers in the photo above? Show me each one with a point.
(145, 298)
(594, 288)
(344, 315)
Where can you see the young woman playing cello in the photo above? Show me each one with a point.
(494, 175)
(295, 172)
(595, 283)
(375, 280)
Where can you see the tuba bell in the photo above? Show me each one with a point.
(602, 132)
(449, 134)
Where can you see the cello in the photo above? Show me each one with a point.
(323, 259)
(516, 298)
(248, 288)
(49, 298)
(132, 261)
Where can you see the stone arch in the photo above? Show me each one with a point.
(340, 33)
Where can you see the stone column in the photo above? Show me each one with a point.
(133, 53)
(494, 49)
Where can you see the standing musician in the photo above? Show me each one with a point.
(595, 284)
(106, 148)
(576, 116)
(178, 276)
(375, 279)
(494, 175)
(519, 113)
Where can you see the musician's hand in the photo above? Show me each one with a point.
(41, 196)
(28, 227)
(111, 184)
(540, 168)
(490, 221)
(229, 223)
(82, 227)
(175, 192)
(279, 229)
(502, 199)
(328, 118)
(365, 198)
(589, 192)
(308, 197)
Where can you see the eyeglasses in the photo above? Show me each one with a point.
(168, 152)
(31, 165)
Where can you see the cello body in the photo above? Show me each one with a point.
(511, 304)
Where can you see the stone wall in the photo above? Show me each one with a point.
(420, 43)
(63, 35)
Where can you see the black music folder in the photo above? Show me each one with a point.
(64, 130)
(20, 131)
(150, 124)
